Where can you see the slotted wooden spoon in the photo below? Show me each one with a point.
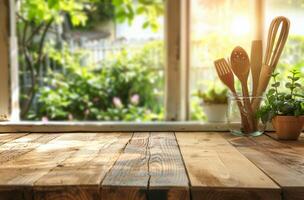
(226, 76)
(241, 66)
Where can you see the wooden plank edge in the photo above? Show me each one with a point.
(47, 127)
(235, 193)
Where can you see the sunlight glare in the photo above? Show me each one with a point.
(240, 26)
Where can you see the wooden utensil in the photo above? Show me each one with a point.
(272, 55)
(241, 66)
(226, 76)
(256, 59)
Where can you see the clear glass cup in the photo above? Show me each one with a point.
(241, 119)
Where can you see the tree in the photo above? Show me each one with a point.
(37, 18)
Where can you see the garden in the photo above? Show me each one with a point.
(59, 81)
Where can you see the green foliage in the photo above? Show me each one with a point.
(292, 56)
(38, 21)
(214, 95)
(100, 11)
(128, 86)
(197, 112)
(39, 11)
(125, 10)
(289, 103)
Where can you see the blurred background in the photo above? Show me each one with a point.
(104, 59)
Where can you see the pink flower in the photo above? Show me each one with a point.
(86, 112)
(117, 102)
(70, 117)
(135, 99)
(45, 119)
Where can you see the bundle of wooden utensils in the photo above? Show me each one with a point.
(240, 66)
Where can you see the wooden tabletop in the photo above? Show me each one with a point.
(148, 166)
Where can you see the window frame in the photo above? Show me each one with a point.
(177, 40)
(9, 85)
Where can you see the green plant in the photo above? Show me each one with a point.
(214, 95)
(290, 103)
(39, 21)
(35, 20)
(127, 86)
(125, 10)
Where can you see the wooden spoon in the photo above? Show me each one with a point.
(241, 66)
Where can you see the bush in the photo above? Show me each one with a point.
(127, 86)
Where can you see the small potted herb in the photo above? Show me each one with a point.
(285, 109)
(214, 102)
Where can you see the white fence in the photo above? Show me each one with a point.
(100, 49)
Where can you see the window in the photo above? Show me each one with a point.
(134, 62)
(292, 55)
(91, 60)
(216, 28)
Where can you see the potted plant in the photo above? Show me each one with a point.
(285, 109)
(214, 102)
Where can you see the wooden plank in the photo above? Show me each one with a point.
(4, 58)
(151, 167)
(217, 170)
(15, 193)
(23, 145)
(80, 175)
(298, 145)
(128, 178)
(7, 137)
(28, 168)
(68, 193)
(280, 160)
(168, 176)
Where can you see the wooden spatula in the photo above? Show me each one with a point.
(256, 59)
(226, 76)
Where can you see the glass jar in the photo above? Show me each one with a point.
(241, 118)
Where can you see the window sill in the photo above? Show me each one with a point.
(27, 126)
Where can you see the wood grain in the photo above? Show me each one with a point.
(16, 193)
(168, 176)
(22, 145)
(217, 170)
(7, 137)
(67, 193)
(151, 167)
(297, 145)
(82, 172)
(89, 164)
(29, 167)
(279, 160)
(129, 176)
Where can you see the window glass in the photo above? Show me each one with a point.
(292, 56)
(217, 27)
(91, 60)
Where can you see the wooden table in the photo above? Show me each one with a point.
(148, 166)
